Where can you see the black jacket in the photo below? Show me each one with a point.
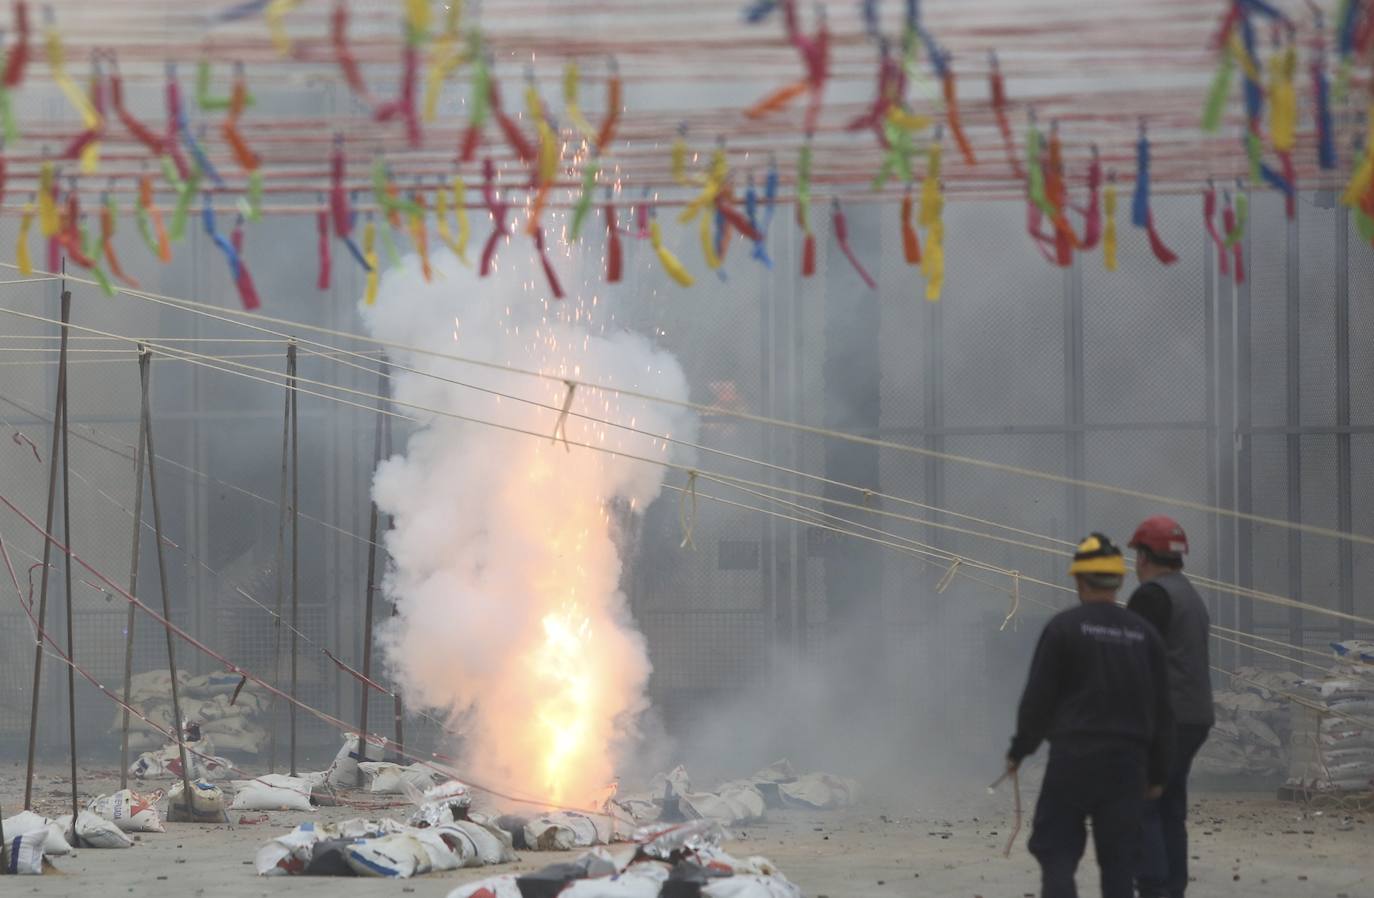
(1099, 677)
(1178, 613)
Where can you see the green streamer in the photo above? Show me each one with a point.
(1365, 225)
(185, 194)
(1242, 213)
(1216, 96)
(1035, 175)
(584, 201)
(250, 206)
(804, 188)
(388, 244)
(94, 250)
(1252, 150)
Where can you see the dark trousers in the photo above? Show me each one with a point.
(1164, 839)
(1106, 783)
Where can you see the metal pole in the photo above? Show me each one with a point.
(397, 705)
(47, 552)
(1245, 532)
(371, 575)
(67, 564)
(187, 794)
(281, 562)
(1074, 401)
(295, 545)
(1294, 420)
(1344, 487)
(143, 360)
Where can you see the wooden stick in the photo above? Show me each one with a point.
(143, 358)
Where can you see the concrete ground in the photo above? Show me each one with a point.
(946, 842)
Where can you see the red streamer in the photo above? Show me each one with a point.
(737, 220)
(522, 147)
(404, 105)
(1162, 252)
(1209, 211)
(956, 127)
(498, 211)
(613, 254)
(999, 110)
(549, 273)
(87, 137)
(809, 255)
(613, 104)
(348, 64)
(1228, 221)
(1092, 215)
(1290, 174)
(141, 132)
(338, 196)
(69, 235)
(911, 243)
(248, 293)
(841, 229)
(19, 56)
(170, 144)
(322, 243)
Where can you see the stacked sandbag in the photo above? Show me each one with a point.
(679, 859)
(384, 848)
(670, 796)
(1253, 722)
(30, 837)
(224, 707)
(1333, 733)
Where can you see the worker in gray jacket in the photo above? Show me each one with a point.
(1168, 600)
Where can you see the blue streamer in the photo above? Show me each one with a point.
(869, 9)
(1326, 147)
(1254, 94)
(1263, 8)
(353, 248)
(207, 215)
(751, 210)
(240, 11)
(1275, 180)
(720, 245)
(1140, 203)
(1346, 36)
(760, 10)
(194, 147)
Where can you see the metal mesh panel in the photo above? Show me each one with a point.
(1144, 344)
(1266, 276)
(1317, 308)
(1361, 286)
(704, 650)
(1270, 544)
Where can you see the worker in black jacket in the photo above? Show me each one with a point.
(1167, 600)
(1098, 691)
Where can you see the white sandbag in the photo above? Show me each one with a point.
(494, 887)
(288, 855)
(565, 830)
(23, 855)
(675, 780)
(207, 803)
(398, 855)
(819, 792)
(471, 844)
(272, 792)
(780, 771)
(130, 811)
(28, 821)
(706, 806)
(388, 779)
(344, 770)
(94, 832)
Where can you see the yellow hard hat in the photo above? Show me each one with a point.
(1098, 555)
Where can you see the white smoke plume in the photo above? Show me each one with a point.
(505, 563)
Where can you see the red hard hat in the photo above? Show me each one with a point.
(1162, 536)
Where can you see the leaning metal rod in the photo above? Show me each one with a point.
(371, 576)
(57, 433)
(143, 359)
(281, 565)
(67, 570)
(398, 709)
(295, 543)
(187, 795)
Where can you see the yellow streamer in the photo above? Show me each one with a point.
(908, 121)
(447, 56)
(1283, 100)
(933, 261)
(417, 17)
(370, 256)
(48, 221)
(708, 245)
(716, 176)
(670, 262)
(90, 119)
(680, 159)
(21, 247)
(464, 227)
(570, 106)
(276, 24)
(421, 241)
(1109, 228)
(441, 221)
(930, 190)
(1247, 64)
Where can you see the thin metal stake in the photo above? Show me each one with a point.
(295, 545)
(371, 575)
(281, 561)
(67, 567)
(397, 705)
(187, 794)
(143, 359)
(47, 554)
